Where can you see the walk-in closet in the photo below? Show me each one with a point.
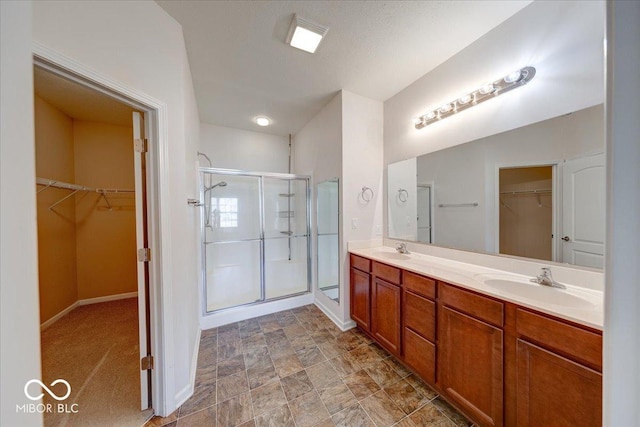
(88, 278)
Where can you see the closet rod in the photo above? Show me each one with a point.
(458, 205)
(542, 191)
(74, 187)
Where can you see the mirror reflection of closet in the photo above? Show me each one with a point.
(328, 238)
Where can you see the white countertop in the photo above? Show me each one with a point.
(577, 304)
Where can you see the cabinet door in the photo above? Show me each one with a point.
(361, 298)
(386, 314)
(470, 365)
(554, 391)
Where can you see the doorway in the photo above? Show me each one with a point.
(425, 212)
(93, 290)
(526, 212)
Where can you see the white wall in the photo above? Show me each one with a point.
(230, 148)
(622, 270)
(362, 151)
(562, 40)
(317, 151)
(344, 140)
(20, 320)
(402, 209)
(139, 45)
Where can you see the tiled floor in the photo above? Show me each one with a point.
(296, 368)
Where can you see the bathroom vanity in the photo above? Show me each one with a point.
(503, 350)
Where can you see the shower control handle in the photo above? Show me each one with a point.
(194, 202)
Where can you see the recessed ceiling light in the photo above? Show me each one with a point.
(263, 121)
(305, 35)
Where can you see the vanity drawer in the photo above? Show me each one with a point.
(580, 344)
(386, 272)
(420, 315)
(360, 263)
(486, 309)
(419, 284)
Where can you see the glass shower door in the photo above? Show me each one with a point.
(232, 240)
(328, 224)
(286, 244)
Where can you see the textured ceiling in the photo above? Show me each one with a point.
(79, 102)
(242, 68)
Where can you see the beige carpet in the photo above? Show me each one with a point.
(95, 348)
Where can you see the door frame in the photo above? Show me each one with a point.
(556, 198)
(432, 205)
(159, 226)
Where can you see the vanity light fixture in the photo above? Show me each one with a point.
(304, 34)
(262, 121)
(487, 91)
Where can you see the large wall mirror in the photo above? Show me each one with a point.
(537, 191)
(329, 239)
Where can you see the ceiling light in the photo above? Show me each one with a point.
(263, 121)
(487, 91)
(304, 34)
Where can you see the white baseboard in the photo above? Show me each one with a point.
(107, 298)
(344, 326)
(87, 301)
(184, 394)
(57, 317)
(249, 312)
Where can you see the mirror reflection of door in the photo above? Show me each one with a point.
(425, 223)
(583, 211)
(526, 212)
(328, 239)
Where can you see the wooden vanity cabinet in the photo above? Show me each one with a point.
(385, 307)
(360, 292)
(470, 353)
(559, 380)
(499, 363)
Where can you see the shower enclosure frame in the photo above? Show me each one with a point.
(260, 176)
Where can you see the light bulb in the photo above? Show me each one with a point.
(487, 88)
(513, 76)
(431, 115)
(464, 99)
(445, 108)
(262, 121)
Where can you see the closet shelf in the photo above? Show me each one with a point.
(520, 192)
(74, 188)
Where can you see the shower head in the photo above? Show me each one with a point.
(220, 184)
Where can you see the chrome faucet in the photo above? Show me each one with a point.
(546, 279)
(402, 248)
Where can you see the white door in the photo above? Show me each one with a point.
(424, 213)
(142, 241)
(583, 211)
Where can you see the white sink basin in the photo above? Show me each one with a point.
(522, 287)
(391, 255)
